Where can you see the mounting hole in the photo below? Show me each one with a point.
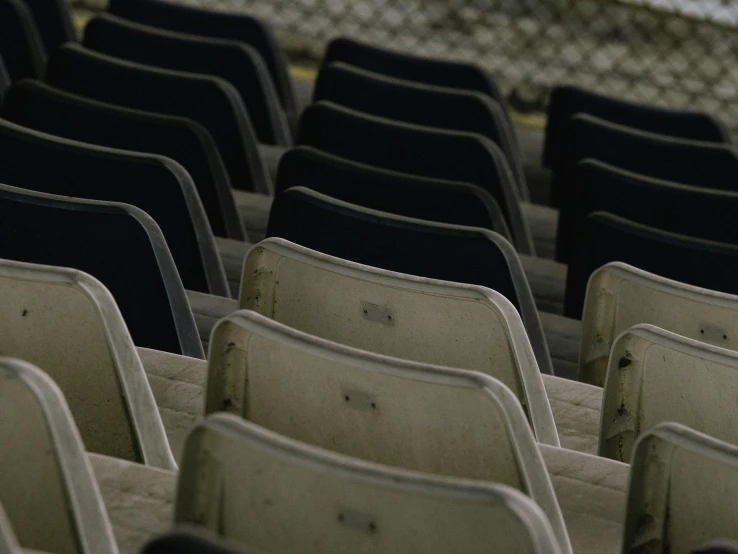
(347, 398)
(374, 405)
(340, 518)
(702, 331)
(725, 337)
(372, 527)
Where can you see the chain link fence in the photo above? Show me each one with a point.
(676, 53)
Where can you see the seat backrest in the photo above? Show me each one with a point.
(607, 238)
(157, 185)
(234, 26)
(654, 376)
(421, 104)
(390, 191)
(386, 410)
(191, 540)
(119, 245)
(620, 296)
(235, 62)
(54, 21)
(67, 323)
(20, 41)
(42, 107)
(567, 100)
(682, 491)
(684, 161)
(688, 210)
(417, 247)
(210, 101)
(47, 486)
(324, 502)
(414, 149)
(413, 318)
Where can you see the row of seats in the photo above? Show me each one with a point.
(384, 381)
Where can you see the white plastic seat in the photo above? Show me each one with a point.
(683, 491)
(419, 319)
(281, 496)
(576, 410)
(620, 296)
(8, 542)
(46, 483)
(654, 376)
(67, 323)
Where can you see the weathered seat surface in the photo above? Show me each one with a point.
(54, 21)
(620, 296)
(422, 104)
(576, 410)
(67, 323)
(157, 185)
(682, 491)
(234, 62)
(654, 376)
(20, 41)
(416, 247)
(390, 191)
(39, 106)
(241, 27)
(190, 540)
(608, 238)
(210, 101)
(318, 501)
(414, 149)
(119, 245)
(47, 486)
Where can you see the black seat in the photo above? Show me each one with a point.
(421, 104)
(210, 101)
(39, 106)
(235, 62)
(417, 247)
(693, 211)
(190, 541)
(196, 21)
(4, 80)
(566, 101)
(54, 22)
(608, 238)
(689, 162)
(417, 150)
(20, 41)
(117, 244)
(389, 191)
(157, 185)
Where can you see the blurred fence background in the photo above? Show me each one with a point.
(677, 53)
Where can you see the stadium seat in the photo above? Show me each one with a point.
(421, 104)
(21, 46)
(119, 245)
(234, 62)
(4, 80)
(54, 21)
(157, 185)
(654, 376)
(43, 458)
(682, 491)
(210, 101)
(416, 247)
(318, 501)
(417, 150)
(241, 27)
(607, 238)
(190, 540)
(39, 106)
(390, 191)
(67, 323)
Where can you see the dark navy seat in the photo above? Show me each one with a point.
(689, 162)
(417, 150)
(117, 244)
(608, 238)
(191, 541)
(421, 104)
(196, 21)
(417, 247)
(157, 185)
(54, 21)
(39, 106)
(232, 61)
(693, 211)
(20, 41)
(210, 101)
(566, 101)
(389, 191)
